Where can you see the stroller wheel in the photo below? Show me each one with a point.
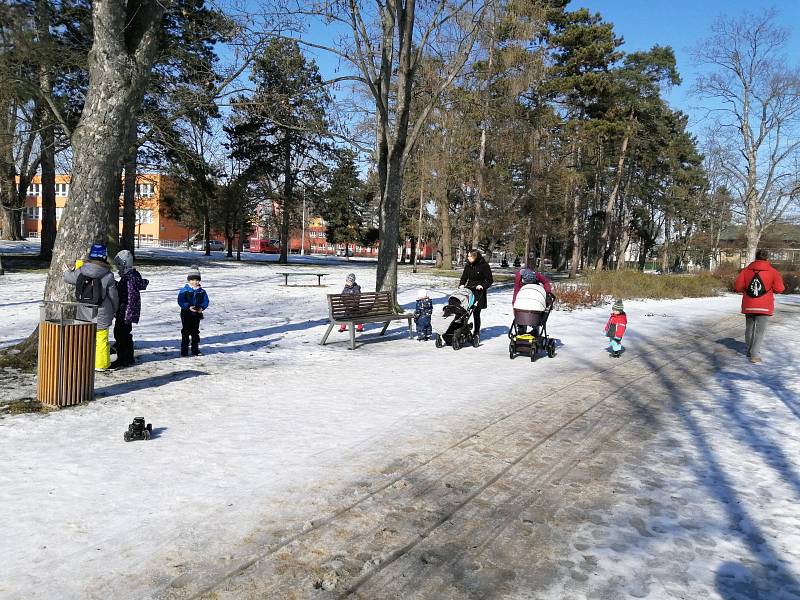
(476, 340)
(551, 348)
(512, 351)
(456, 342)
(439, 342)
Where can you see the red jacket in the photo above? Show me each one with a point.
(615, 328)
(773, 283)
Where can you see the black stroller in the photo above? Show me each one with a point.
(531, 310)
(452, 324)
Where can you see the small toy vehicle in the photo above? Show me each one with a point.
(138, 430)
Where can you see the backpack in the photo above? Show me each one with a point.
(756, 287)
(89, 290)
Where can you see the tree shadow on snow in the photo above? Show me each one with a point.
(147, 383)
(235, 336)
(767, 573)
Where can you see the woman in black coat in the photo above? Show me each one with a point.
(477, 276)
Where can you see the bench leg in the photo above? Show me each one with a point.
(286, 281)
(352, 335)
(410, 331)
(385, 327)
(327, 333)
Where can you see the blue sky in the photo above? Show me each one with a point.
(642, 23)
(681, 24)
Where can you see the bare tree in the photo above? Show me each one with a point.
(756, 115)
(384, 46)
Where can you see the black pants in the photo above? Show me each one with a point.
(190, 328)
(123, 340)
(476, 318)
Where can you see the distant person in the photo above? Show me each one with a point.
(422, 315)
(616, 327)
(477, 276)
(351, 288)
(758, 282)
(129, 286)
(193, 300)
(96, 291)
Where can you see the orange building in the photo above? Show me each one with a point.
(153, 227)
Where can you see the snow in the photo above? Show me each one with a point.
(268, 431)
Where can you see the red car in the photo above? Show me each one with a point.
(266, 246)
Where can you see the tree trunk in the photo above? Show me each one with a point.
(120, 61)
(612, 198)
(129, 189)
(48, 190)
(665, 249)
(48, 142)
(10, 213)
(446, 249)
(390, 222)
(476, 223)
(576, 232)
(287, 201)
(207, 228)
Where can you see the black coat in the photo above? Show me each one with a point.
(475, 274)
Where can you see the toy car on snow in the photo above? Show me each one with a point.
(138, 430)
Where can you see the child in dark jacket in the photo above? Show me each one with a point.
(615, 328)
(422, 315)
(130, 305)
(351, 288)
(193, 300)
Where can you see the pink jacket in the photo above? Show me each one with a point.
(548, 287)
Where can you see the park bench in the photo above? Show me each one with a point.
(286, 276)
(368, 307)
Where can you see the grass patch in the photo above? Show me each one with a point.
(23, 263)
(637, 285)
(19, 407)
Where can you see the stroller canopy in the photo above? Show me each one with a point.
(464, 296)
(531, 297)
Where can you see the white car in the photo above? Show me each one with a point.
(213, 244)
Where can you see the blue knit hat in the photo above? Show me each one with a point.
(98, 251)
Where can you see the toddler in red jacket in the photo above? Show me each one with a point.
(616, 326)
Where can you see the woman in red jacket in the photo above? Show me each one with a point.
(758, 282)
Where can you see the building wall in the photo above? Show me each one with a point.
(151, 224)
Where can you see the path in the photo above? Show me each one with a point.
(503, 513)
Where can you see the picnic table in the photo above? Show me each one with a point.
(288, 274)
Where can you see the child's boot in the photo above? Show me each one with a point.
(342, 328)
(359, 327)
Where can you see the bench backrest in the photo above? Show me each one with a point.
(366, 304)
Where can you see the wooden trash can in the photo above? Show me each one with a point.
(66, 355)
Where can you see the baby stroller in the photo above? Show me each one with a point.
(531, 310)
(452, 324)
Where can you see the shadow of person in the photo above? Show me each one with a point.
(733, 344)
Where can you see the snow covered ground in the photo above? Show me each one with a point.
(268, 438)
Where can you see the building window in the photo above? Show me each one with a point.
(59, 212)
(62, 189)
(34, 189)
(144, 190)
(34, 213)
(144, 216)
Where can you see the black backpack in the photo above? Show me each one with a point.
(756, 287)
(89, 290)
